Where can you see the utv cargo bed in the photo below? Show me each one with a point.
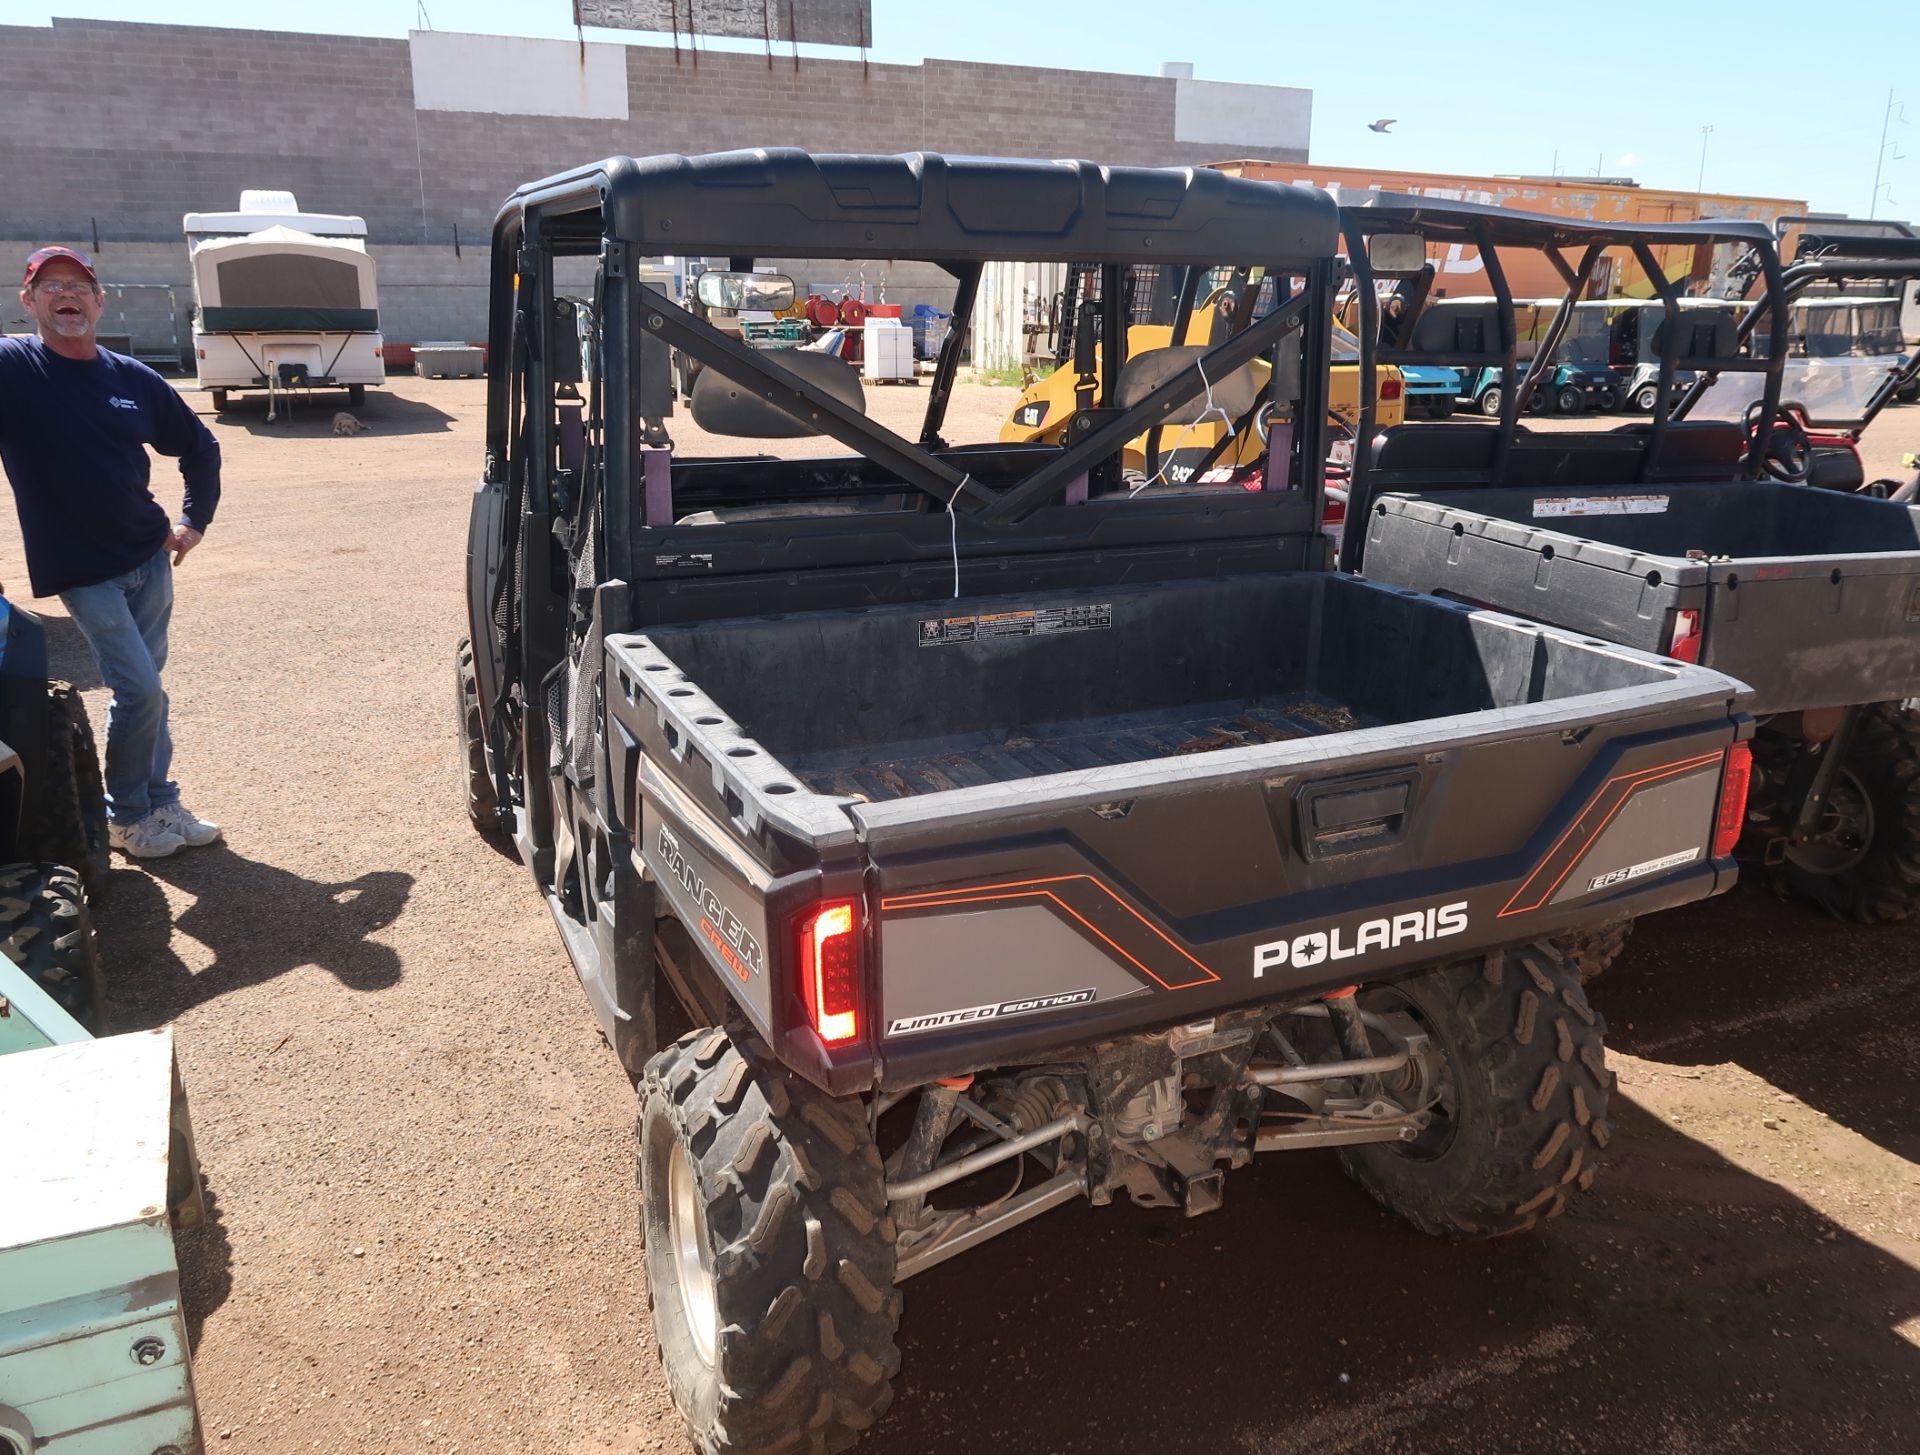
(1351, 742)
(1810, 596)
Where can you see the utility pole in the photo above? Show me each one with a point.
(1700, 183)
(1880, 160)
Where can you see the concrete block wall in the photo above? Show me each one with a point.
(159, 120)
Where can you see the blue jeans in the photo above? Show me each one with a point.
(125, 622)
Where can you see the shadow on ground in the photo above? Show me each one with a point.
(1825, 1010)
(1685, 1305)
(258, 921)
(311, 416)
(206, 1265)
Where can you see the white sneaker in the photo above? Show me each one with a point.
(147, 838)
(194, 832)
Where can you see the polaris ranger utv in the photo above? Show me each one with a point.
(1011, 833)
(1696, 535)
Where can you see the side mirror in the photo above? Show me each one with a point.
(1397, 254)
(745, 292)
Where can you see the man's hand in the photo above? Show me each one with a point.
(180, 540)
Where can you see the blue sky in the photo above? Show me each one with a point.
(1477, 85)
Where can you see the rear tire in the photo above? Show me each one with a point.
(66, 821)
(1520, 1116)
(45, 930)
(1591, 950)
(483, 805)
(1880, 783)
(1645, 397)
(771, 1278)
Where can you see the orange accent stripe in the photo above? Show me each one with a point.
(1635, 782)
(1033, 889)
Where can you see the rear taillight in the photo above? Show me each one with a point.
(830, 970)
(1390, 389)
(1685, 646)
(1735, 778)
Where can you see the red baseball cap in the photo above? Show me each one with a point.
(46, 255)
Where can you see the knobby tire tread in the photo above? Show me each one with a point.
(1516, 1026)
(803, 1269)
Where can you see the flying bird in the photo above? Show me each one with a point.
(1382, 124)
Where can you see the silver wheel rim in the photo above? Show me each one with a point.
(687, 1230)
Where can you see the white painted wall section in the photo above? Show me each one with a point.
(1228, 113)
(507, 75)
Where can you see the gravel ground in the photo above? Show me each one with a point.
(419, 1149)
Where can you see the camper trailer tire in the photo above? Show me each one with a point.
(219, 400)
(356, 395)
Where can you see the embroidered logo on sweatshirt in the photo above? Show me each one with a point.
(119, 403)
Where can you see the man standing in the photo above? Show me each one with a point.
(74, 420)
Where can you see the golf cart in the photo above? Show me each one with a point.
(1444, 327)
(1633, 330)
(1011, 833)
(1695, 535)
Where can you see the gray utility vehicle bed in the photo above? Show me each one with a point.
(1809, 596)
(1695, 534)
(1213, 764)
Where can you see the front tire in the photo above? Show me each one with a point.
(1519, 1116)
(483, 804)
(1645, 397)
(1570, 400)
(770, 1253)
(1491, 400)
(45, 930)
(1866, 867)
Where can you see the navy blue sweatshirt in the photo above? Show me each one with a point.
(71, 437)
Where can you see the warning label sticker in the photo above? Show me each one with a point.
(1043, 621)
(1565, 505)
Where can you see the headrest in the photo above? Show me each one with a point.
(720, 406)
(1147, 371)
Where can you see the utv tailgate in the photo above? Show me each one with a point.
(1810, 596)
(1086, 812)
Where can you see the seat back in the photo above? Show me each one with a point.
(721, 406)
(1432, 457)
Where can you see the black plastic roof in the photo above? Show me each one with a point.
(1447, 219)
(783, 202)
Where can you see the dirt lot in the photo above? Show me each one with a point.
(420, 1151)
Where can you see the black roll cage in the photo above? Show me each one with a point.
(602, 211)
(1489, 228)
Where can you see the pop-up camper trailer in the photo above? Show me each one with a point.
(284, 300)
